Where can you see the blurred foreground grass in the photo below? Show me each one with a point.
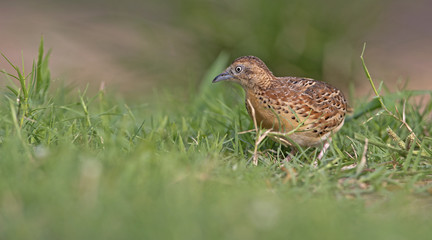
(75, 166)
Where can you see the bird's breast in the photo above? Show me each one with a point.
(269, 113)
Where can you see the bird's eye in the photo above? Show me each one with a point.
(238, 69)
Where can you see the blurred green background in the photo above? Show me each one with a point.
(137, 46)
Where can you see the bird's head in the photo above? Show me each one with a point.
(248, 71)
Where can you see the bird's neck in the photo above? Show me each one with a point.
(263, 82)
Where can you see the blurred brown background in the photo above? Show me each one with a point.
(136, 46)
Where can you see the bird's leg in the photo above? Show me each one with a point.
(324, 149)
(259, 137)
(322, 152)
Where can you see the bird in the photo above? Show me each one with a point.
(305, 111)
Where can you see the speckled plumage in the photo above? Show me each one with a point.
(314, 109)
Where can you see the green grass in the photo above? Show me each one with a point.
(75, 166)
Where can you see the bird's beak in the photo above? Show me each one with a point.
(221, 77)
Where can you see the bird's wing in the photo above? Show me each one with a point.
(319, 106)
